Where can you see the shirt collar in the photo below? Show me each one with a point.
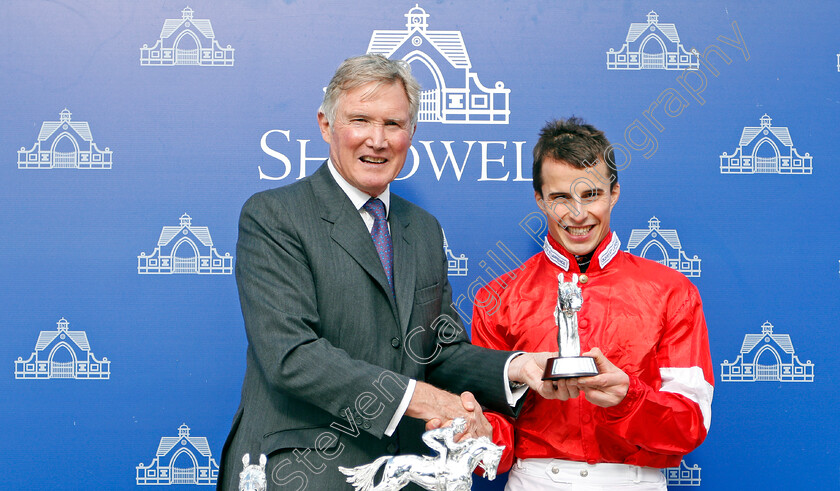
(357, 196)
(604, 253)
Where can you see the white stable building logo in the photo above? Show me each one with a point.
(62, 353)
(766, 149)
(663, 246)
(65, 144)
(682, 475)
(439, 59)
(457, 264)
(181, 459)
(767, 357)
(186, 41)
(652, 45)
(184, 249)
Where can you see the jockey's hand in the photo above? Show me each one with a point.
(477, 424)
(438, 408)
(606, 389)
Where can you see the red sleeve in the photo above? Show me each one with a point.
(488, 329)
(674, 419)
(503, 437)
(485, 333)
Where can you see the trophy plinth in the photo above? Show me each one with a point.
(569, 364)
(570, 367)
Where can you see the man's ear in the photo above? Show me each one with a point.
(324, 125)
(616, 191)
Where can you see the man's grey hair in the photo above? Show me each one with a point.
(361, 70)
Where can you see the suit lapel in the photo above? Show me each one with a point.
(348, 229)
(404, 263)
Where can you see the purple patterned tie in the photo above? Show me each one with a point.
(382, 237)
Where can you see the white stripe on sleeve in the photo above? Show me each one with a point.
(690, 383)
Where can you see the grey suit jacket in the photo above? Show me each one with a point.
(330, 350)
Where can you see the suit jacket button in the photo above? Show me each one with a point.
(395, 342)
(366, 424)
(392, 448)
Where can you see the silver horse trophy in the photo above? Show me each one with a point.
(450, 470)
(569, 364)
(252, 477)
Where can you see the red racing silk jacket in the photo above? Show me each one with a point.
(647, 319)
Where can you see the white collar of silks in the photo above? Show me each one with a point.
(562, 261)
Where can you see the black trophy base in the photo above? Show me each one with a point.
(570, 367)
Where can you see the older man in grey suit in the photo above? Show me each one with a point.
(347, 306)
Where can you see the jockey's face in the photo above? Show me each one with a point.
(576, 205)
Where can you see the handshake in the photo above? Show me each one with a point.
(439, 408)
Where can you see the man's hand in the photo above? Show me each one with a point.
(528, 368)
(438, 408)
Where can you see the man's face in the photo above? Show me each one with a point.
(577, 204)
(370, 136)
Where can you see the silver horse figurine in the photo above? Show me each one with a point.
(252, 477)
(569, 301)
(450, 470)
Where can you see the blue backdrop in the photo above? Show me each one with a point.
(122, 333)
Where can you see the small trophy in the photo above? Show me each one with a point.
(569, 364)
(252, 477)
(450, 470)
